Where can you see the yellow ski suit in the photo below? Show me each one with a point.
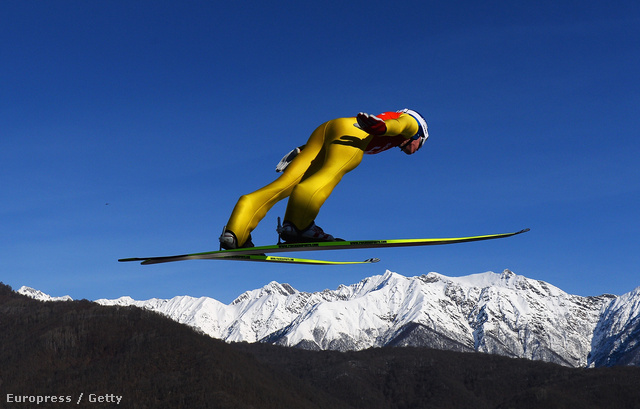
(333, 149)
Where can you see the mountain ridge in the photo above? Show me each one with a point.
(505, 314)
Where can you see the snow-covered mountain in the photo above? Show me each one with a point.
(39, 295)
(504, 314)
(616, 339)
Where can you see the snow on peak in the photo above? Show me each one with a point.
(617, 335)
(506, 280)
(39, 295)
(487, 279)
(369, 284)
(273, 288)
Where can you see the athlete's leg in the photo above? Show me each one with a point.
(252, 207)
(344, 147)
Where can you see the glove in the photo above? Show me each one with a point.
(288, 158)
(371, 124)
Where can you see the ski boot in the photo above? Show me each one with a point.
(291, 234)
(229, 241)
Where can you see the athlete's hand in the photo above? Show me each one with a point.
(371, 124)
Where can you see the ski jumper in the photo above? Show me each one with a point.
(333, 149)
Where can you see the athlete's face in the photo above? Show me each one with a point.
(410, 146)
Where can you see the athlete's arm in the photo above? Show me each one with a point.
(405, 125)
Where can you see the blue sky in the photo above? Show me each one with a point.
(130, 128)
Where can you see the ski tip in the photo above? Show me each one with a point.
(524, 230)
(130, 259)
(372, 260)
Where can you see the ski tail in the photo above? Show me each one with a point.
(259, 258)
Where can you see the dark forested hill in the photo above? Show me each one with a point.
(69, 348)
(406, 377)
(66, 349)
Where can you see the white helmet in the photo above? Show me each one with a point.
(423, 134)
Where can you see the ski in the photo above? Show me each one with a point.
(255, 257)
(315, 246)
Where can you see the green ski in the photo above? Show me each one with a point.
(241, 253)
(259, 258)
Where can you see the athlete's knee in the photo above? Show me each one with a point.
(245, 202)
(301, 190)
(310, 194)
